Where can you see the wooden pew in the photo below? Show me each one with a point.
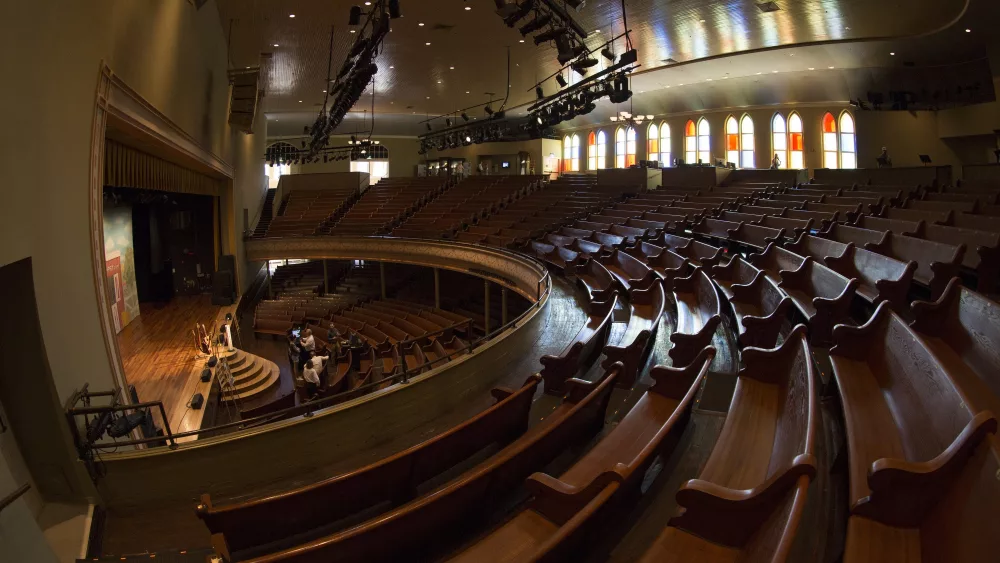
(976, 222)
(627, 270)
(758, 306)
(749, 498)
(394, 478)
(850, 212)
(582, 350)
(698, 315)
(663, 261)
(915, 215)
(556, 256)
(413, 527)
(820, 218)
(880, 278)
(982, 251)
(821, 295)
(898, 226)
(555, 524)
(756, 236)
(595, 279)
(646, 309)
(962, 329)
(714, 228)
(912, 441)
(936, 262)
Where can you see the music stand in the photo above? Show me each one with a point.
(925, 159)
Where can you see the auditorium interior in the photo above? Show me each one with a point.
(596, 281)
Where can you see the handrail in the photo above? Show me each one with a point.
(306, 409)
(251, 225)
(9, 499)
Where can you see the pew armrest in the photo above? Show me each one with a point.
(559, 501)
(501, 393)
(841, 301)
(903, 492)
(724, 272)
(930, 316)
(731, 517)
(675, 382)
(747, 292)
(854, 341)
(797, 278)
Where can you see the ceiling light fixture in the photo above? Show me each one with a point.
(830, 67)
(421, 24)
(275, 44)
(291, 15)
(812, 68)
(892, 54)
(428, 43)
(467, 8)
(968, 30)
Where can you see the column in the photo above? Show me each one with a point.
(326, 279)
(503, 306)
(381, 272)
(486, 313)
(437, 288)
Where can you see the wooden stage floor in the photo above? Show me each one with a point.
(158, 353)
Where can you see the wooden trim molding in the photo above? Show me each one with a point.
(117, 100)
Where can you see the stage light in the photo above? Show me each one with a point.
(394, 9)
(522, 10)
(553, 34)
(488, 110)
(534, 25)
(608, 54)
(539, 92)
(355, 16)
(428, 126)
(561, 80)
(353, 139)
(465, 116)
(447, 122)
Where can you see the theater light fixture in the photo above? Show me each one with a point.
(354, 17)
(561, 80)
(465, 116)
(539, 92)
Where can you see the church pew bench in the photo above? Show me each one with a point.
(868, 204)
(695, 251)
(898, 226)
(774, 259)
(627, 270)
(758, 306)
(984, 198)
(936, 262)
(914, 448)
(395, 478)
(764, 207)
(821, 295)
(976, 222)
(582, 350)
(982, 251)
(272, 326)
(849, 212)
(564, 511)
(715, 229)
(594, 278)
(792, 200)
(943, 206)
(609, 241)
(646, 308)
(880, 278)
(747, 502)
(962, 329)
(821, 219)
(756, 236)
(666, 263)
(698, 316)
(413, 527)
(915, 215)
(556, 256)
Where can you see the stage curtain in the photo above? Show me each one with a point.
(126, 167)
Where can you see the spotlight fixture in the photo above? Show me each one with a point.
(561, 80)
(534, 25)
(428, 126)
(354, 17)
(522, 10)
(539, 92)
(447, 121)
(465, 116)
(552, 34)
(488, 110)
(608, 54)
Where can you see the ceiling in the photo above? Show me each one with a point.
(467, 53)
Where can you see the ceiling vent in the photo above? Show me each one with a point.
(768, 7)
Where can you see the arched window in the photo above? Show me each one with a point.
(653, 142)
(592, 151)
(848, 146)
(796, 147)
(576, 154)
(690, 143)
(779, 140)
(665, 156)
(620, 148)
(746, 142)
(630, 147)
(830, 159)
(602, 150)
(567, 153)
(732, 140)
(704, 141)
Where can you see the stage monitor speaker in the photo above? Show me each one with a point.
(197, 401)
(222, 288)
(206, 374)
(212, 361)
(227, 262)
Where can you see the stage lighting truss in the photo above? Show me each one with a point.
(551, 22)
(580, 98)
(356, 73)
(492, 131)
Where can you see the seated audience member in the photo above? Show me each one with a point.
(311, 376)
(354, 341)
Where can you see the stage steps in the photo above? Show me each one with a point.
(251, 375)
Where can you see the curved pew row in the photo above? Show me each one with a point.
(410, 528)
(585, 347)
(747, 502)
(562, 510)
(921, 473)
(667, 264)
(821, 295)
(646, 308)
(758, 306)
(880, 278)
(698, 315)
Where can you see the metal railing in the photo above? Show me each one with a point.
(307, 409)
(9, 499)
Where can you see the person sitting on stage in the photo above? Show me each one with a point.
(310, 375)
(354, 341)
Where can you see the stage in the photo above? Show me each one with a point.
(160, 359)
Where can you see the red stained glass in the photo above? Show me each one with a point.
(689, 129)
(629, 160)
(796, 141)
(732, 142)
(829, 124)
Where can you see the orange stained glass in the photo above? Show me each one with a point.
(689, 129)
(796, 141)
(654, 146)
(629, 160)
(732, 142)
(829, 124)
(591, 139)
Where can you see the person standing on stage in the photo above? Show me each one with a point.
(311, 377)
(294, 353)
